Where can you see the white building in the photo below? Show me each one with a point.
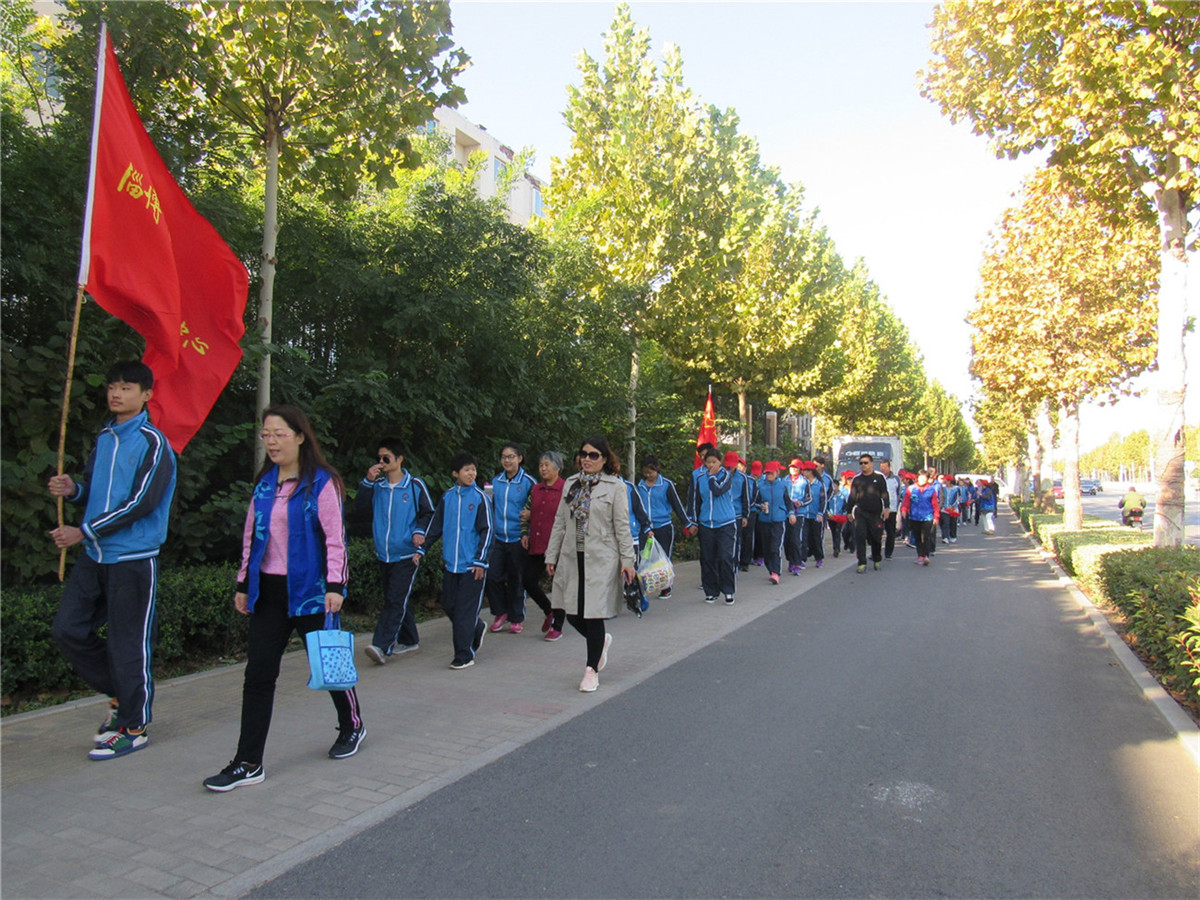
(524, 198)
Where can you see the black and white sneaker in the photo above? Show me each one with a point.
(462, 663)
(348, 742)
(729, 599)
(235, 775)
(712, 599)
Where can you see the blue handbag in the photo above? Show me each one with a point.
(331, 657)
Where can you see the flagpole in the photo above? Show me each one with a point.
(85, 258)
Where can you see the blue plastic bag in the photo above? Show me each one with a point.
(331, 657)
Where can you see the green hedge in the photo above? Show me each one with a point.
(1066, 544)
(1158, 591)
(196, 621)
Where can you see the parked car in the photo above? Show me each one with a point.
(1088, 486)
(1057, 490)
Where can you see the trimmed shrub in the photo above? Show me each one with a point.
(1156, 589)
(1065, 544)
(30, 662)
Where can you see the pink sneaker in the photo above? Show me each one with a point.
(553, 634)
(590, 682)
(774, 578)
(548, 622)
(499, 622)
(516, 627)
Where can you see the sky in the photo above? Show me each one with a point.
(830, 91)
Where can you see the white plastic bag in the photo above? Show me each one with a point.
(654, 568)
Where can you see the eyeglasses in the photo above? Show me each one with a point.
(591, 454)
(508, 457)
(275, 435)
(386, 460)
(865, 462)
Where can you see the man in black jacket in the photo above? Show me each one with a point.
(868, 500)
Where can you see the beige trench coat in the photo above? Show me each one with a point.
(607, 547)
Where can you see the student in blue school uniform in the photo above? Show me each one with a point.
(463, 521)
(750, 552)
(711, 508)
(950, 512)
(661, 499)
(506, 566)
(126, 491)
(739, 492)
(839, 523)
(775, 510)
(812, 510)
(400, 508)
(793, 537)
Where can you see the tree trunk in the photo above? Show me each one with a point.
(1072, 496)
(743, 420)
(1171, 376)
(266, 291)
(634, 372)
(1035, 466)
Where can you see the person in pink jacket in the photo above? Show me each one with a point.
(537, 522)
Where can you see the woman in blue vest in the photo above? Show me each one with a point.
(293, 572)
(921, 506)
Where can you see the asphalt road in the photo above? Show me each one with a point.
(1104, 505)
(959, 730)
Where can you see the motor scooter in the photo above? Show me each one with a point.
(1131, 518)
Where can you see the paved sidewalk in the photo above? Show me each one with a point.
(144, 826)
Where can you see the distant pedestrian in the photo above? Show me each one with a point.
(293, 573)
(400, 508)
(948, 517)
(751, 555)
(812, 510)
(463, 522)
(986, 499)
(506, 565)
(840, 525)
(793, 537)
(739, 493)
(538, 522)
(868, 503)
(774, 511)
(922, 504)
(126, 489)
(591, 554)
(891, 517)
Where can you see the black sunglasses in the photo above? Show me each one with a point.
(384, 459)
(591, 454)
(865, 462)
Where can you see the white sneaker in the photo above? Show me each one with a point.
(590, 682)
(604, 654)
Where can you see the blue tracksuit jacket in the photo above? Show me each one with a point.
(127, 486)
(463, 519)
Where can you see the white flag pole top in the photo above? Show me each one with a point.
(85, 256)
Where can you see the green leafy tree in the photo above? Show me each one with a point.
(1065, 308)
(942, 432)
(649, 184)
(290, 75)
(1112, 90)
(882, 376)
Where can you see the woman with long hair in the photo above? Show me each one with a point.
(293, 572)
(591, 554)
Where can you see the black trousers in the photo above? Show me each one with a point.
(868, 530)
(270, 629)
(925, 536)
(535, 568)
(462, 598)
(750, 549)
(122, 594)
(793, 541)
(505, 580)
(814, 539)
(889, 531)
(718, 567)
(591, 629)
(397, 623)
(771, 534)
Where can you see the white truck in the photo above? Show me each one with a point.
(847, 448)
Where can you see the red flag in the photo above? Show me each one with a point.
(154, 262)
(708, 428)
